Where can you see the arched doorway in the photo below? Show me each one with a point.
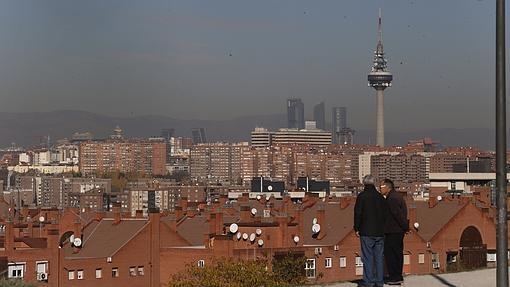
(473, 253)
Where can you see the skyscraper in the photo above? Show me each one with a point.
(295, 114)
(379, 79)
(167, 133)
(319, 115)
(198, 135)
(338, 123)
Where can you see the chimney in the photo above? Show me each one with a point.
(321, 219)
(298, 211)
(219, 222)
(245, 213)
(283, 230)
(9, 236)
(178, 213)
(412, 216)
(116, 213)
(212, 222)
(344, 202)
(432, 201)
(244, 198)
(30, 225)
(154, 252)
(77, 227)
(99, 215)
(184, 204)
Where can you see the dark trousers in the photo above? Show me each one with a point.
(372, 248)
(394, 255)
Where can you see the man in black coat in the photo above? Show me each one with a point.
(395, 227)
(369, 217)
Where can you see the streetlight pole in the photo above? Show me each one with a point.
(501, 180)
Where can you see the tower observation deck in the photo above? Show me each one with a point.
(380, 78)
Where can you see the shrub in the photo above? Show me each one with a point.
(236, 273)
(14, 283)
(289, 268)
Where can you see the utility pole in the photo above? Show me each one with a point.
(501, 180)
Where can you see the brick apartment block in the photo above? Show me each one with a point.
(114, 249)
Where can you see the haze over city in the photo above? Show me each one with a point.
(217, 60)
(253, 143)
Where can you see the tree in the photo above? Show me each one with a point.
(14, 283)
(289, 268)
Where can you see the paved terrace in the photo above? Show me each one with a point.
(478, 278)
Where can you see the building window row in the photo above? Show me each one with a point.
(17, 270)
(80, 275)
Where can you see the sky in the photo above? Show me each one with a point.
(221, 59)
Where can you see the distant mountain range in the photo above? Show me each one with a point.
(27, 129)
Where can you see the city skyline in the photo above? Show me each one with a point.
(190, 61)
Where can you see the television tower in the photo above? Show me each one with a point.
(380, 78)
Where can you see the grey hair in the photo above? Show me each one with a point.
(369, 180)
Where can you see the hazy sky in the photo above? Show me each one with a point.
(222, 59)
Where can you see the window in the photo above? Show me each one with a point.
(421, 258)
(201, 263)
(70, 275)
(328, 262)
(359, 266)
(42, 267)
(407, 259)
(343, 262)
(435, 261)
(310, 268)
(42, 270)
(99, 273)
(79, 274)
(16, 270)
(451, 257)
(132, 271)
(359, 263)
(491, 257)
(115, 272)
(140, 271)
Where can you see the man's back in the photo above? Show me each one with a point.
(370, 212)
(396, 222)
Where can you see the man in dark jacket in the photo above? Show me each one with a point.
(395, 227)
(369, 217)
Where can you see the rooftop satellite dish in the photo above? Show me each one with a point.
(260, 242)
(233, 228)
(77, 242)
(41, 218)
(316, 228)
(270, 188)
(259, 197)
(238, 235)
(252, 237)
(314, 221)
(245, 236)
(439, 198)
(416, 225)
(253, 211)
(258, 231)
(296, 239)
